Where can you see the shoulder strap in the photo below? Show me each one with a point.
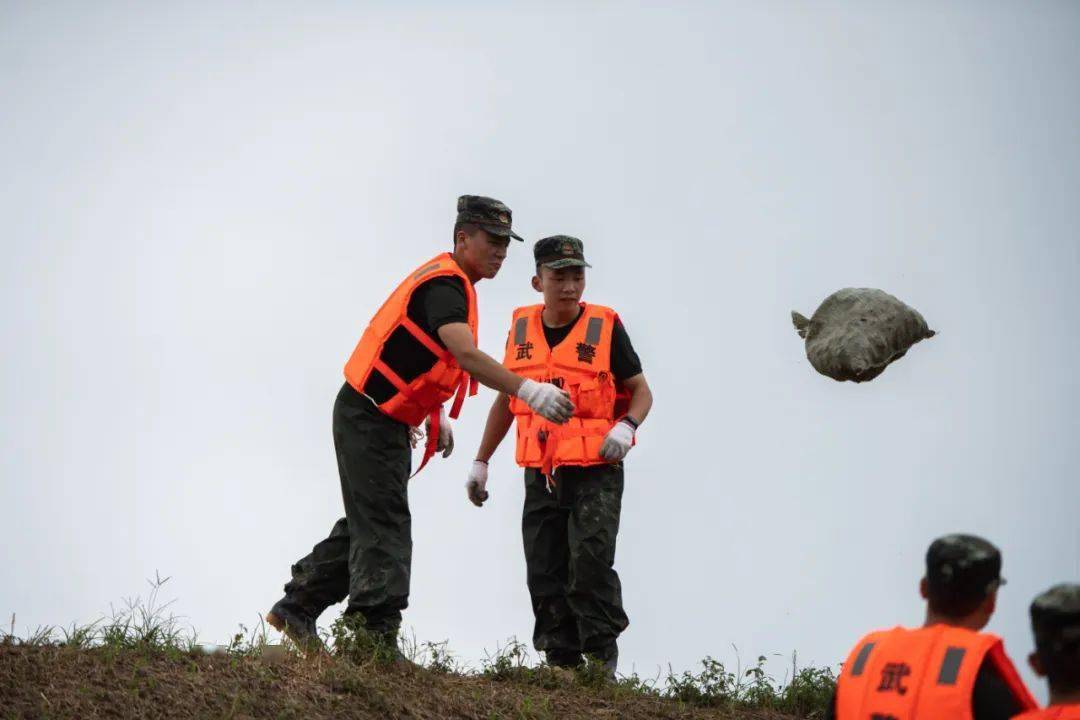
(1010, 675)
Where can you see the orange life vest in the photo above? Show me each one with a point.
(423, 396)
(921, 674)
(1054, 712)
(581, 365)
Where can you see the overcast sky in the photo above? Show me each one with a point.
(201, 207)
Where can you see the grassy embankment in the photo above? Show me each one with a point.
(141, 663)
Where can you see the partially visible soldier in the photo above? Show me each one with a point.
(573, 472)
(947, 668)
(1055, 619)
(417, 353)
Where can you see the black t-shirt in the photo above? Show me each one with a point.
(991, 698)
(442, 301)
(625, 362)
(437, 302)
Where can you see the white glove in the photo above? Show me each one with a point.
(547, 400)
(477, 482)
(446, 434)
(618, 442)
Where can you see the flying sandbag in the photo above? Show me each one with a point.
(857, 332)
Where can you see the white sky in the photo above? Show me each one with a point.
(201, 207)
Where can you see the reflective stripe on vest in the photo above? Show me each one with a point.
(921, 673)
(581, 365)
(423, 396)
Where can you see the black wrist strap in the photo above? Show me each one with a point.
(632, 422)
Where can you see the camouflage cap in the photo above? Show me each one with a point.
(1055, 617)
(488, 213)
(560, 251)
(964, 565)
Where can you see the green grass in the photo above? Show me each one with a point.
(148, 625)
(806, 692)
(138, 623)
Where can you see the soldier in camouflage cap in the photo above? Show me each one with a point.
(949, 662)
(393, 381)
(488, 213)
(1055, 620)
(573, 499)
(962, 571)
(560, 251)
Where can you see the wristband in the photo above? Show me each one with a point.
(631, 421)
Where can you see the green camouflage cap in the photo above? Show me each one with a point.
(964, 565)
(488, 213)
(560, 251)
(1055, 618)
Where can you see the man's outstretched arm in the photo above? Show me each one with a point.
(544, 398)
(459, 340)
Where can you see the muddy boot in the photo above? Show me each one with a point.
(386, 644)
(296, 623)
(605, 661)
(611, 664)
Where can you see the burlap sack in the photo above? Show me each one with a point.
(857, 332)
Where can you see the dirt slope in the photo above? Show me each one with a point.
(59, 682)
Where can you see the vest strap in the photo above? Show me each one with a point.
(417, 332)
(468, 385)
(1008, 672)
(395, 379)
(431, 444)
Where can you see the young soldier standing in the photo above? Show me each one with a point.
(417, 353)
(947, 668)
(573, 472)
(1055, 619)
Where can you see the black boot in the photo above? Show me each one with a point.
(288, 617)
(569, 659)
(388, 649)
(611, 663)
(605, 659)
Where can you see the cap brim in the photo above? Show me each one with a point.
(565, 263)
(502, 232)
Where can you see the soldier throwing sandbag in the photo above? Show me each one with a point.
(417, 353)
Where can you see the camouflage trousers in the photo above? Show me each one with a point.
(569, 535)
(368, 554)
